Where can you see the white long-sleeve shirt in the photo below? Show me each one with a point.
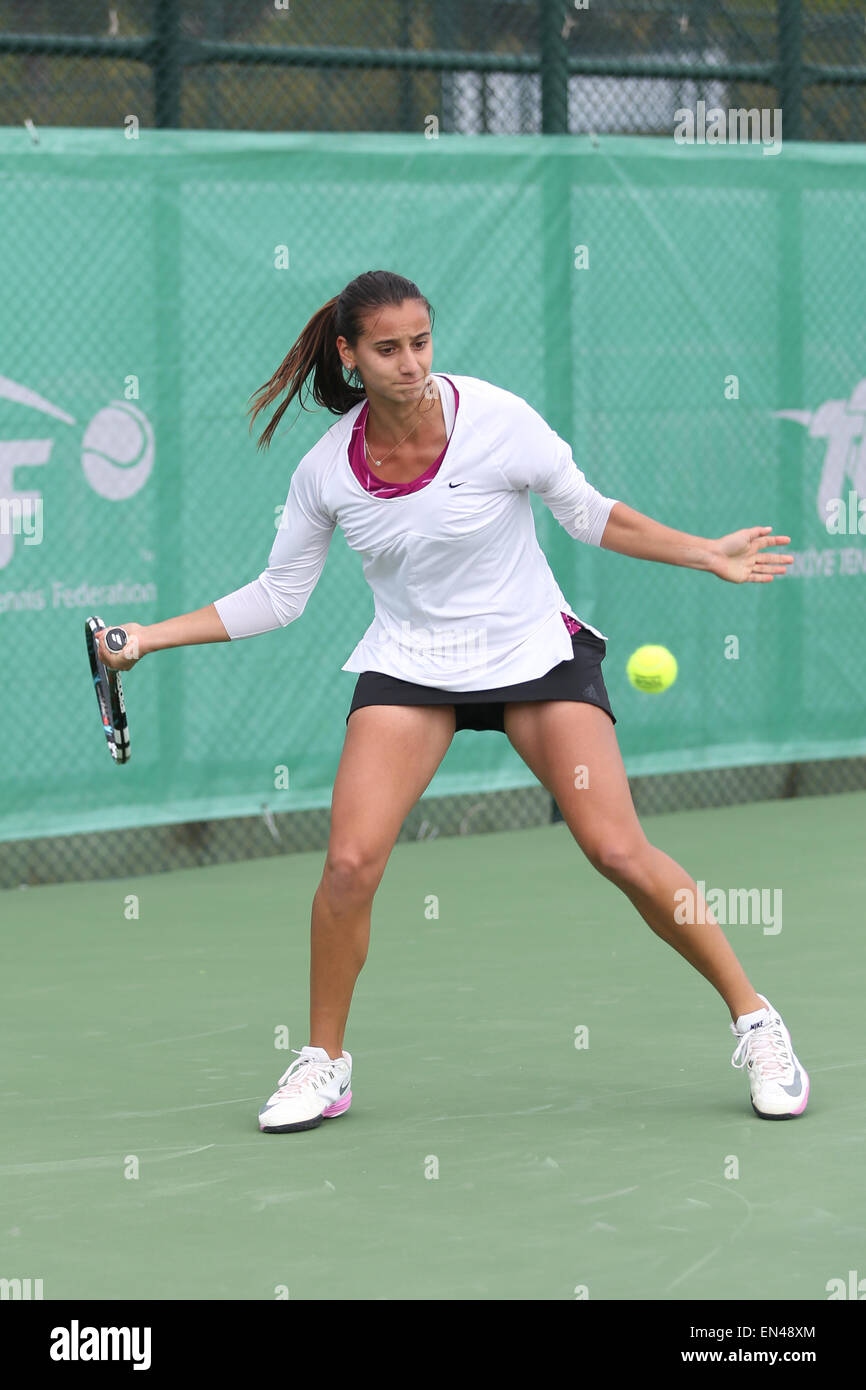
(464, 597)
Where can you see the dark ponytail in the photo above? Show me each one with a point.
(315, 351)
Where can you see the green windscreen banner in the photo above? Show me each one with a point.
(691, 318)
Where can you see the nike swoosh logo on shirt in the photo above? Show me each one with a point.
(455, 484)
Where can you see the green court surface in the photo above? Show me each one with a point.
(148, 1044)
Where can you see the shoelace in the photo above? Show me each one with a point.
(298, 1074)
(767, 1049)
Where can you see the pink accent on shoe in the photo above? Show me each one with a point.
(805, 1101)
(338, 1107)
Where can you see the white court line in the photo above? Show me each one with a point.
(214, 1032)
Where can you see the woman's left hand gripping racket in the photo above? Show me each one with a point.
(109, 691)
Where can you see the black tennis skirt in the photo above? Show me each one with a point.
(579, 679)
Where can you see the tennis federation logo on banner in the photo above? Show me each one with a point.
(117, 453)
(843, 424)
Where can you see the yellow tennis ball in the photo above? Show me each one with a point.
(652, 669)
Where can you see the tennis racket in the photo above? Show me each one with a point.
(109, 690)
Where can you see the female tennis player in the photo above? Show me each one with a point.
(428, 477)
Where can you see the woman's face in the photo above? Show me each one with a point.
(394, 353)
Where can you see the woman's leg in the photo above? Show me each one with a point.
(553, 737)
(389, 757)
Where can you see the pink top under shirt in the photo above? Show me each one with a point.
(377, 488)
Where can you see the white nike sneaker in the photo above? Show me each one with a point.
(314, 1088)
(779, 1084)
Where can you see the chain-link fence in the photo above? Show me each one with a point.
(192, 844)
(472, 66)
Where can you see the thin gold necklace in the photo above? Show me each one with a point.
(377, 463)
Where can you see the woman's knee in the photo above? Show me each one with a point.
(352, 873)
(622, 861)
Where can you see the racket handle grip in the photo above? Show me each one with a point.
(116, 639)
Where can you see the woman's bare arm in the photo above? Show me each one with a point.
(190, 629)
(204, 625)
